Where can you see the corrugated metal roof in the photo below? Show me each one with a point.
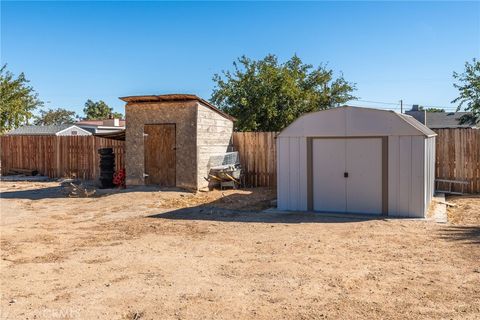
(175, 97)
(40, 130)
(411, 120)
(416, 128)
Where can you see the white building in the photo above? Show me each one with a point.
(356, 160)
(102, 126)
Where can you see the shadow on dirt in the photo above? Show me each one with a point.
(226, 215)
(467, 234)
(34, 194)
(59, 192)
(251, 208)
(235, 207)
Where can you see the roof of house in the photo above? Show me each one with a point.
(447, 120)
(175, 97)
(41, 130)
(439, 120)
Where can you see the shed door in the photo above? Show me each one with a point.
(364, 182)
(160, 154)
(328, 166)
(347, 175)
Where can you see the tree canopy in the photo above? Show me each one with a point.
(99, 110)
(469, 91)
(55, 116)
(17, 100)
(265, 95)
(431, 109)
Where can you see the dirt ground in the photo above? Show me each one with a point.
(466, 210)
(149, 254)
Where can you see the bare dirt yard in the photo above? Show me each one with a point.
(149, 254)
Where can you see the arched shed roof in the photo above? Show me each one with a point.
(355, 121)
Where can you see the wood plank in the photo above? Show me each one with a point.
(160, 154)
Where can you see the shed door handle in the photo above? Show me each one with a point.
(345, 174)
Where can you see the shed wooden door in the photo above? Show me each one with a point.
(160, 160)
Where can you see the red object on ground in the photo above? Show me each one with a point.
(119, 178)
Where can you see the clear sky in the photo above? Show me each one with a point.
(74, 51)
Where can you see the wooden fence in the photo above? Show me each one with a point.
(258, 157)
(56, 157)
(457, 156)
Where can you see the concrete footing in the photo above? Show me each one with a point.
(439, 213)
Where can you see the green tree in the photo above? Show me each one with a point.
(469, 91)
(17, 100)
(265, 95)
(99, 110)
(435, 110)
(431, 109)
(55, 116)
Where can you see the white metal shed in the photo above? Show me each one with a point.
(356, 160)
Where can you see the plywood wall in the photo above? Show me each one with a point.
(214, 137)
(183, 116)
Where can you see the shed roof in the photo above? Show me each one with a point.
(355, 121)
(175, 97)
(42, 130)
(415, 123)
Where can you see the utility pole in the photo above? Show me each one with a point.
(401, 106)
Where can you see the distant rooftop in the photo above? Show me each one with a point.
(441, 120)
(42, 130)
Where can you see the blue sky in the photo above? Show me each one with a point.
(74, 51)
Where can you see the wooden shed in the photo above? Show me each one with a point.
(170, 138)
(356, 160)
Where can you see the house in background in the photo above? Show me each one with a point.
(102, 126)
(440, 120)
(53, 130)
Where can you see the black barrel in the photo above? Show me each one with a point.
(107, 167)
